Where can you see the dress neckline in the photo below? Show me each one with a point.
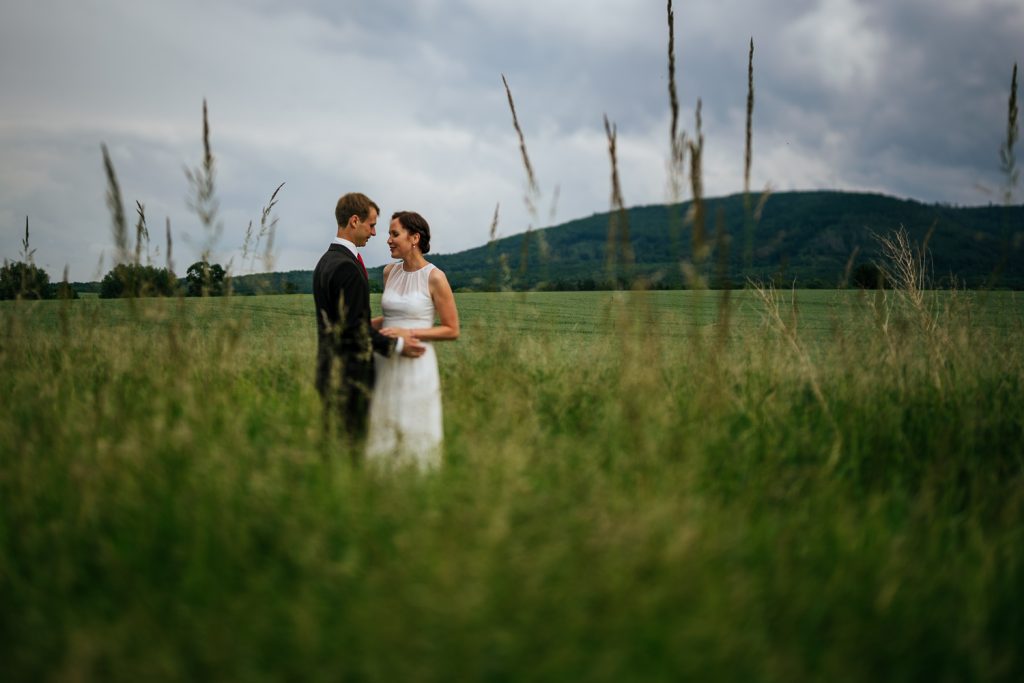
(401, 266)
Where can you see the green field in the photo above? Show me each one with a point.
(822, 485)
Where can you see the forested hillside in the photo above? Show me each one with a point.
(810, 239)
(806, 237)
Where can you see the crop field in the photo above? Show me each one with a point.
(772, 486)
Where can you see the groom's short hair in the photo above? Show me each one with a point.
(354, 204)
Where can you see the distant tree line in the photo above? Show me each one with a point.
(865, 276)
(134, 280)
(24, 280)
(288, 282)
(21, 280)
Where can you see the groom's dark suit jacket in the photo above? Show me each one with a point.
(345, 340)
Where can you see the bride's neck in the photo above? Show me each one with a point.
(413, 262)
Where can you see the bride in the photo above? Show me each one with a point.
(405, 413)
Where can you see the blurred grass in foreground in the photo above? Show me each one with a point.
(830, 490)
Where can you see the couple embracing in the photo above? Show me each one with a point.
(378, 376)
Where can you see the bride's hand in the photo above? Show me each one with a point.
(395, 332)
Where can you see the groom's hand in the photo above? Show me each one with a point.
(413, 348)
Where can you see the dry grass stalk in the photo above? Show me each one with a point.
(673, 99)
(248, 249)
(1008, 165)
(907, 267)
(141, 232)
(849, 267)
(1007, 155)
(751, 218)
(620, 248)
(724, 301)
(65, 294)
(116, 206)
(677, 141)
(268, 229)
(773, 317)
(532, 189)
(26, 253)
(203, 200)
(553, 211)
(524, 251)
(761, 201)
(493, 232)
(530, 177)
(500, 271)
(26, 257)
(65, 288)
(696, 217)
(170, 246)
(748, 152)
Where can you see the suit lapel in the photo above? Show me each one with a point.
(345, 252)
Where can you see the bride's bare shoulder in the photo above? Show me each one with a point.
(437, 278)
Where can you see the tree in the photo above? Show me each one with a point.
(63, 290)
(132, 280)
(204, 279)
(21, 280)
(868, 276)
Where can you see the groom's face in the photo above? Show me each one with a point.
(364, 229)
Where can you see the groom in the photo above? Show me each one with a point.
(345, 339)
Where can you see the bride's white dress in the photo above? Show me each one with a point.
(405, 413)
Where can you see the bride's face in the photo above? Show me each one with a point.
(400, 241)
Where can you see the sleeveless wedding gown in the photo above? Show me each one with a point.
(405, 413)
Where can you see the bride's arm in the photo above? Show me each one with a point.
(444, 304)
(447, 313)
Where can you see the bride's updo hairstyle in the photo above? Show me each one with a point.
(415, 223)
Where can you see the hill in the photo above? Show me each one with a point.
(802, 238)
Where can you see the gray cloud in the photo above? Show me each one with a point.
(404, 101)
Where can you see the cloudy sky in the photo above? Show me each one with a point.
(403, 100)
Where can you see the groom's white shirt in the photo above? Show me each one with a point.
(399, 343)
(347, 244)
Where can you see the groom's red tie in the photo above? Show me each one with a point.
(359, 257)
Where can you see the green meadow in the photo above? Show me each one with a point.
(645, 486)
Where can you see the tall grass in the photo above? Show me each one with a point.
(816, 497)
